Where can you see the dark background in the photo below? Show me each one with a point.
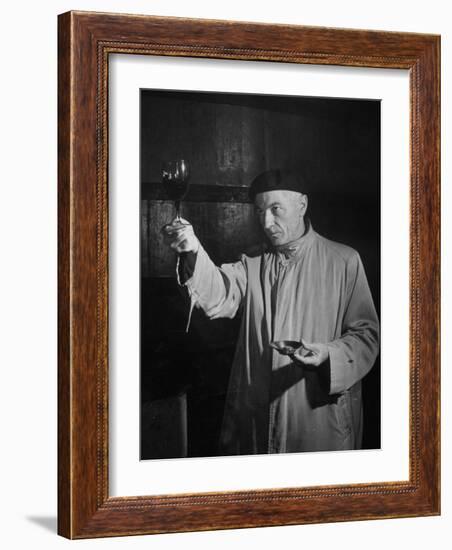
(229, 139)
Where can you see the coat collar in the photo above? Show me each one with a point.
(291, 251)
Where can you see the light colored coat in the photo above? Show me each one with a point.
(316, 291)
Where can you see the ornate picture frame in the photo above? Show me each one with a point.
(85, 507)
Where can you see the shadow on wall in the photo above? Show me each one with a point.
(49, 523)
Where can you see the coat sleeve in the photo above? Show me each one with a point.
(218, 291)
(354, 353)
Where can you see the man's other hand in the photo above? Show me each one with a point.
(311, 354)
(179, 235)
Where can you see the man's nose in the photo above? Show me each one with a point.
(268, 219)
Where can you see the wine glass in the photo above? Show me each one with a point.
(175, 176)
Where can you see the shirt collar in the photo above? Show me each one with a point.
(294, 249)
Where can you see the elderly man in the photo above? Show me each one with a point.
(302, 287)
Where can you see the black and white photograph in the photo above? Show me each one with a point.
(224, 233)
(260, 274)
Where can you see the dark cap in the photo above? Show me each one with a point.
(275, 180)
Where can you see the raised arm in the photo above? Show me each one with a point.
(218, 291)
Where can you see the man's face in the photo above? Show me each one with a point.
(281, 214)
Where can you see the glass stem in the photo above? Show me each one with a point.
(177, 210)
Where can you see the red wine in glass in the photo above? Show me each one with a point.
(175, 176)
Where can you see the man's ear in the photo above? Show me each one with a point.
(303, 204)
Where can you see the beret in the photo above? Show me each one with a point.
(274, 180)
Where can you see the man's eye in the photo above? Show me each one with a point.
(276, 209)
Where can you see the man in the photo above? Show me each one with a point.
(302, 287)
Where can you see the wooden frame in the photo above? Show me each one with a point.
(85, 508)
